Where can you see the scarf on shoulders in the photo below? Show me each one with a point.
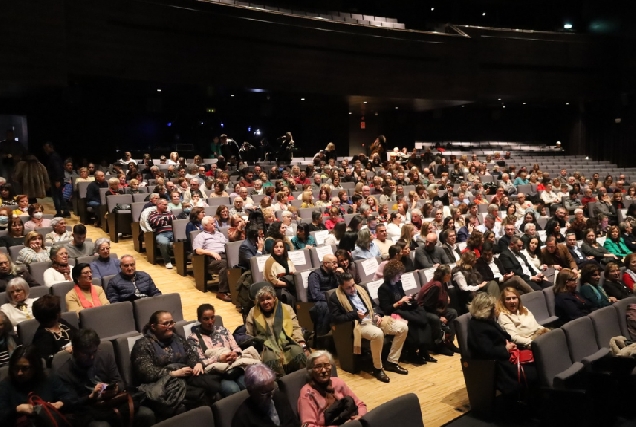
(95, 302)
(168, 353)
(343, 299)
(283, 326)
(282, 260)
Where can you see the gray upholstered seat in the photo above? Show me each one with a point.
(225, 409)
(26, 329)
(621, 308)
(582, 342)
(553, 361)
(536, 303)
(606, 325)
(199, 417)
(145, 307)
(394, 411)
(110, 321)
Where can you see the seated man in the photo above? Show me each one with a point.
(87, 372)
(504, 241)
(161, 223)
(429, 255)
(252, 246)
(93, 198)
(9, 271)
(130, 284)
(78, 246)
(575, 252)
(237, 207)
(211, 243)
(449, 237)
(318, 282)
(351, 302)
(514, 261)
(381, 241)
(557, 256)
(317, 221)
(491, 269)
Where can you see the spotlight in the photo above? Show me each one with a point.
(350, 112)
(432, 9)
(158, 90)
(567, 26)
(232, 95)
(365, 102)
(169, 124)
(587, 157)
(498, 99)
(524, 103)
(258, 132)
(567, 103)
(396, 108)
(483, 14)
(249, 128)
(302, 99)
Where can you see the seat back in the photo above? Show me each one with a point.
(38, 291)
(257, 263)
(136, 208)
(198, 417)
(551, 356)
(123, 199)
(317, 254)
(411, 283)
(366, 268)
(535, 302)
(606, 325)
(621, 308)
(291, 385)
(123, 347)
(37, 270)
(14, 251)
(145, 307)
(26, 329)
(106, 282)
(86, 259)
(179, 229)
(61, 357)
(389, 412)
(300, 259)
(301, 283)
(109, 320)
(61, 289)
(225, 409)
(232, 253)
(548, 293)
(461, 329)
(579, 333)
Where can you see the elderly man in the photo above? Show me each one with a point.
(317, 223)
(416, 218)
(194, 185)
(78, 246)
(530, 231)
(161, 223)
(258, 189)
(319, 282)
(351, 302)
(430, 255)
(557, 256)
(366, 191)
(130, 284)
(549, 197)
(490, 224)
(449, 237)
(211, 243)
(8, 272)
(381, 241)
(59, 233)
(317, 184)
(492, 270)
(575, 252)
(522, 204)
(513, 260)
(247, 200)
(504, 241)
(237, 207)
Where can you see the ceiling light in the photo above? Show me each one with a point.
(396, 108)
(567, 26)
(524, 103)
(498, 99)
(432, 9)
(587, 157)
(302, 99)
(158, 90)
(350, 112)
(365, 102)
(503, 106)
(567, 103)
(483, 14)
(232, 96)
(376, 113)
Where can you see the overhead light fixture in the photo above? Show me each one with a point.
(524, 103)
(567, 103)
(432, 9)
(483, 14)
(503, 106)
(463, 106)
(587, 157)
(617, 120)
(498, 99)
(350, 112)
(396, 108)
(258, 132)
(376, 113)
(302, 99)
(365, 102)
(169, 124)
(567, 26)
(158, 90)
(232, 95)
(558, 142)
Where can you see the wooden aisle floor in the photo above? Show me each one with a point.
(440, 387)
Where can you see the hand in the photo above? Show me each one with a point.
(443, 320)
(96, 390)
(260, 244)
(508, 276)
(198, 369)
(557, 267)
(57, 184)
(612, 299)
(435, 265)
(378, 321)
(109, 394)
(482, 284)
(57, 405)
(361, 315)
(225, 358)
(340, 270)
(309, 246)
(24, 408)
(510, 346)
(404, 300)
(215, 255)
(69, 349)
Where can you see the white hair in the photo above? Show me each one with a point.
(206, 220)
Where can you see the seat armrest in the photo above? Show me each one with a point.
(562, 379)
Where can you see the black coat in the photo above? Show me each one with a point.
(510, 263)
(419, 334)
(617, 289)
(569, 306)
(249, 414)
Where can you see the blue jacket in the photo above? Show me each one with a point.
(121, 288)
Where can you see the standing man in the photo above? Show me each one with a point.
(55, 168)
(211, 243)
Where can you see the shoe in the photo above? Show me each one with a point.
(169, 266)
(380, 375)
(58, 214)
(430, 358)
(416, 359)
(442, 349)
(66, 215)
(224, 297)
(453, 347)
(394, 367)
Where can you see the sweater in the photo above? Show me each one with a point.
(101, 268)
(519, 326)
(311, 404)
(73, 302)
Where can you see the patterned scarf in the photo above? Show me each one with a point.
(283, 327)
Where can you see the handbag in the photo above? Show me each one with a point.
(340, 411)
(521, 357)
(45, 414)
(122, 405)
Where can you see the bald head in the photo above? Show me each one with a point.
(329, 263)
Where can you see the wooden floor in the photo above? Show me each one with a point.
(440, 387)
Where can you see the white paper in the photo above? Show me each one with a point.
(601, 240)
(297, 257)
(305, 277)
(461, 246)
(260, 262)
(322, 251)
(408, 282)
(320, 236)
(428, 273)
(373, 288)
(542, 235)
(370, 266)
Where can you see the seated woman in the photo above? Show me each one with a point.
(7, 195)
(276, 231)
(346, 265)
(266, 405)
(488, 341)
(591, 247)
(54, 334)
(6, 214)
(162, 352)
(421, 334)
(474, 243)
(8, 339)
(236, 232)
(615, 244)
(196, 215)
(303, 239)
(219, 190)
(336, 234)
(19, 306)
(279, 271)
(59, 233)
(276, 325)
(34, 250)
(365, 248)
(516, 319)
(60, 270)
(591, 289)
(222, 217)
(613, 285)
(568, 303)
(23, 205)
(469, 281)
(217, 349)
(629, 276)
(323, 392)
(104, 265)
(27, 377)
(36, 218)
(196, 199)
(15, 233)
(308, 200)
(84, 294)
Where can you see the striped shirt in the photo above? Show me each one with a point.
(161, 222)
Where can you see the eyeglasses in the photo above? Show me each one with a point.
(321, 366)
(168, 323)
(19, 368)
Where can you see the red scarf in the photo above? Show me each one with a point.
(85, 303)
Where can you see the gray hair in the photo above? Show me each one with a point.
(54, 251)
(491, 217)
(206, 219)
(364, 208)
(153, 195)
(258, 375)
(529, 225)
(55, 221)
(493, 206)
(416, 211)
(100, 242)
(265, 290)
(315, 355)
(286, 214)
(482, 306)
(364, 239)
(113, 181)
(17, 282)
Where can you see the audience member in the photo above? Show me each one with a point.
(430, 255)
(60, 270)
(516, 319)
(130, 284)
(568, 302)
(84, 294)
(491, 269)
(93, 196)
(557, 256)
(320, 281)
(59, 234)
(513, 260)
(9, 271)
(615, 244)
(104, 265)
(161, 223)
(36, 218)
(19, 307)
(590, 247)
(34, 250)
(8, 339)
(591, 288)
(613, 285)
(78, 246)
(15, 234)
(54, 334)
(211, 243)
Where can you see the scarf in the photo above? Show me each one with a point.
(283, 328)
(64, 270)
(631, 274)
(95, 302)
(343, 299)
(282, 261)
(169, 352)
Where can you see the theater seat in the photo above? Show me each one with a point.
(395, 411)
(110, 321)
(581, 340)
(536, 303)
(26, 329)
(199, 417)
(606, 325)
(225, 409)
(552, 359)
(145, 307)
(123, 347)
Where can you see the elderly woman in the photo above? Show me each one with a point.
(104, 265)
(303, 239)
(365, 248)
(516, 319)
(393, 301)
(36, 218)
(34, 250)
(84, 294)
(275, 323)
(613, 285)
(320, 402)
(15, 233)
(266, 405)
(615, 244)
(26, 378)
(59, 234)
(488, 341)
(591, 288)
(161, 352)
(591, 247)
(279, 271)
(8, 339)
(20, 306)
(568, 303)
(60, 270)
(53, 334)
(217, 349)
(83, 172)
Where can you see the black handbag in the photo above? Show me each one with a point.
(340, 411)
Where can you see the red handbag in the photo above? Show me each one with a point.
(521, 356)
